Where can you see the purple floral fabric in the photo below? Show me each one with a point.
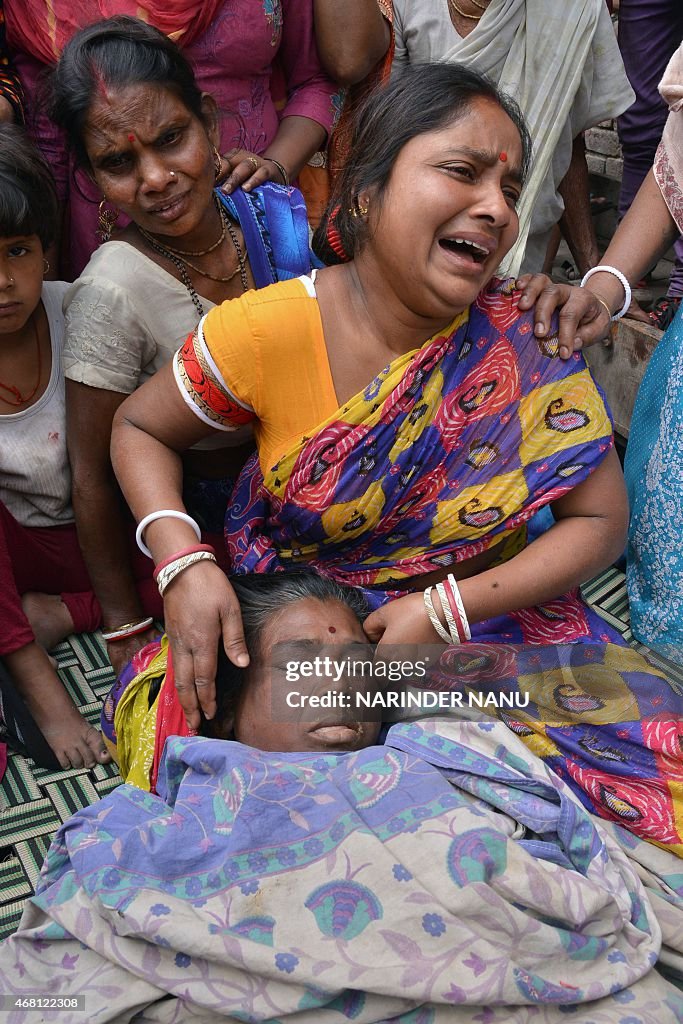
(447, 876)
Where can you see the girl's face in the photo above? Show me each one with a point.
(151, 157)
(21, 280)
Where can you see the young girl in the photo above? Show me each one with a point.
(44, 587)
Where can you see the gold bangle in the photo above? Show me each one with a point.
(603, 303)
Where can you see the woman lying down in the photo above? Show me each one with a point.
(445, 876)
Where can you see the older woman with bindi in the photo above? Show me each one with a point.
(285, 616)
(140, 127)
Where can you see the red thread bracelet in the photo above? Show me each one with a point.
(181, 554)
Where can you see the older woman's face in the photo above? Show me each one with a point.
(151, 157)
(301, 629)
(448, 215)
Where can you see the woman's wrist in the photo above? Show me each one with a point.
(607, 287)
(282, 171)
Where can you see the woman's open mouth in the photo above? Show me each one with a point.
(466, 249)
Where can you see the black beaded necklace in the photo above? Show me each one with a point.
(183, 266)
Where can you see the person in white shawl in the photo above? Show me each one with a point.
(560, 61)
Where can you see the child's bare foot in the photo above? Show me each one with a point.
(75, 742)
(50, 618)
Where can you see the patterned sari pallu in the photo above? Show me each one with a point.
(450, 450)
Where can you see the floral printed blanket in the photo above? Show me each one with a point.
(447, 876)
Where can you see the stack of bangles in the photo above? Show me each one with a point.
(458, 630)
(167, 570)
(128, 630)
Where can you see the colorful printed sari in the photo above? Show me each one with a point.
(450, 450)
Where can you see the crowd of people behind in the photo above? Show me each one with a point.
(156, 165)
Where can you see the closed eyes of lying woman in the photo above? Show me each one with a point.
(287, 618)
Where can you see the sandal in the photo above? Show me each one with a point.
(664, 311)
(570, 271)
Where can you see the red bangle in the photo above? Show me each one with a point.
(130, 633)
(181, 554)
(455, 611)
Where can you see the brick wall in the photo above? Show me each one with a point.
(603, 152)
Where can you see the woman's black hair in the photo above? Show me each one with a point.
(115, 53)
(422, 98)
(28, 199)
(261, 596)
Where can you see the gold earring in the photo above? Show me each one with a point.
(217, 163)
(359, 209)
(46, 266)
(106, 219)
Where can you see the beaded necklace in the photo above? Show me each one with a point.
(176, 257)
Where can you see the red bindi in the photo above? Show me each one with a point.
(131, 137)
(331, 629)
(503, 157)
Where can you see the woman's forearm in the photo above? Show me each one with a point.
(571, 552)
(352, 37)
(297, 139)
(133, 452)
(644, 235)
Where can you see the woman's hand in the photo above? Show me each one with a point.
(200, 609)
(120, 652)
(584, 319)
(240, 167)
(404, 621)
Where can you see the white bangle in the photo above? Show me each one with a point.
(130, 629)
(451, 624)
(624, 283)
(433, 617)
(163, 513)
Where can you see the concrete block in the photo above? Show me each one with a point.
(599, 140)
(614, 168)
(596, 164)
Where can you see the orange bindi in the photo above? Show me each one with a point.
(503, 157)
